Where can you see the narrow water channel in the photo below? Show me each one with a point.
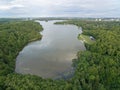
(53, 54)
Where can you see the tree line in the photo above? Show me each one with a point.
(97, 68)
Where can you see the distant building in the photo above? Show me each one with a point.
(92, 38)
(117, 19)
(98, 19)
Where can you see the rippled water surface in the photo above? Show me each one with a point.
(53, 54)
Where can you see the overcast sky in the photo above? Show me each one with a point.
(62, 8)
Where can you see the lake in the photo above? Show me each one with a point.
(53, 54)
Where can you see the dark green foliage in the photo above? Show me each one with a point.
(13, 37)
(97, 68)
(29, 82)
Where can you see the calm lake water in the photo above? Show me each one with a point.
(52, 55)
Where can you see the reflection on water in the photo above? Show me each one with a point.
(53, 54)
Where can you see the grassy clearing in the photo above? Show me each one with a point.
(85, 38)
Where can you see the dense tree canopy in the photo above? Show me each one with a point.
(108, 48)
(13, 37)
(97, 68)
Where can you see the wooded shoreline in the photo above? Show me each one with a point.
(97, 68)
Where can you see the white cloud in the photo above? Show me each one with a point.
(61, 7)
(8, 7)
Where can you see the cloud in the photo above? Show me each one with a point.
(77, 8)
(8, 7)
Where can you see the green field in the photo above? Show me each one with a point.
(85, 38)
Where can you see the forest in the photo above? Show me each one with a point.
(97, 68)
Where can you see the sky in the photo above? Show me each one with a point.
(59, 8)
